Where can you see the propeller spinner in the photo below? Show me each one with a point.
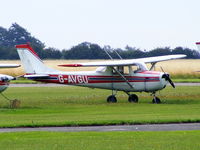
(167, 78)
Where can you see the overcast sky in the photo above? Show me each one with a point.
(144, 24)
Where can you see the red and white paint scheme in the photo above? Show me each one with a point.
(5, 79)
(116, 75)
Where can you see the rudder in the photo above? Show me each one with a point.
(31, 61)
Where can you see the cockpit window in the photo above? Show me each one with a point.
(122, 69)
(135, 68)
(139, 67)
(101, 69)
(126, 70)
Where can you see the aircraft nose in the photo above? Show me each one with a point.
(167, 78)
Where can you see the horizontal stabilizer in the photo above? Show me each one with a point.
(9, 65)
(36, 76)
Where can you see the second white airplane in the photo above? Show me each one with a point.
(120, 75)
(5, 79)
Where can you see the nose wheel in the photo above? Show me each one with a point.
(155, 100)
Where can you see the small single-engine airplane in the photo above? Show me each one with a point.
(5, 79)
(117, 75)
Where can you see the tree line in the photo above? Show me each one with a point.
(18, 35)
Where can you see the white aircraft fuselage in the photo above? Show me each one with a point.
(144, 81)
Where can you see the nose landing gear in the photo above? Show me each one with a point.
(155, 100)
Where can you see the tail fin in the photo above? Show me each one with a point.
(30, 60)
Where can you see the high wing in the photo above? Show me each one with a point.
(9, 65)
(125, 62)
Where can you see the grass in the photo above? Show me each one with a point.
(23, 81)
(71, 106)
(161, 140)
(186, 80)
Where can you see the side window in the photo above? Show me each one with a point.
(126, 70)
(119, 68)
(123, 70)
(137, 68)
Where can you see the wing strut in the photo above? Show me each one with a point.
(153, 65)
(108, 54)
(122, 77)
(118, 54)
(111, 56)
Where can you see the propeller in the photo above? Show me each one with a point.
(167, 78)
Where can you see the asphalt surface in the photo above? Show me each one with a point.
(152, 127)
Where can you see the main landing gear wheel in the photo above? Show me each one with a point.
(111, 99)
(156, 100)
(133, 98)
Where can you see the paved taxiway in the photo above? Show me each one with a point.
(151, 127)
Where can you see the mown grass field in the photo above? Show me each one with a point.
(61, 106)
(179, 69)
(172, 140)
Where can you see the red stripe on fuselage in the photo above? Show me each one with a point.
(84, 79)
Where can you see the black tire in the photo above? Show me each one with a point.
(156, 100)
(133, 98)
(111, 99)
